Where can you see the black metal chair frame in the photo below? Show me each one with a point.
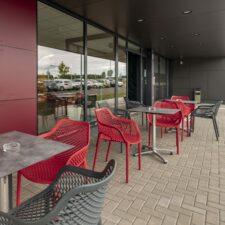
(208, 112)
(75, 197)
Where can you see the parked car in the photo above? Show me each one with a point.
(105, 82)
(76, 84)
(112, 82)
(97, 84)
(120, 84)
(64, 84)
(51, 85)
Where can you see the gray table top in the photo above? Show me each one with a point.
(33, 149)
(64, 95)
(184, 101)
(152, 110)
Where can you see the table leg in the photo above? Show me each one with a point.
(66, 104)
(153, 150)
(6, 193)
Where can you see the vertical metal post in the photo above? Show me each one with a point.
(127, 62)
(85, 69)
(152, 78)
(167, 78)
(116, 70)
(154, 132)
(142, 75)
(4, 194)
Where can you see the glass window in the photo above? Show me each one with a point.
(122, 72)
(100, 69)
(134, 48)
(60, 67)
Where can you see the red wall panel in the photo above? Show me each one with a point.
(18, 74)
(18, 115)
(18, 23)
(18, 66)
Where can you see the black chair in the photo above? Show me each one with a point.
(118, 112)
(133, 104)
(75, 197)
(209, 112)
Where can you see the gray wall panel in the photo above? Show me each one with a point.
(207, 74)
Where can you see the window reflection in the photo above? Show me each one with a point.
(60, 67)
(122, 72)
(101, 69)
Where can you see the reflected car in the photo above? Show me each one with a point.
(76, 84)
(97, 84)
(51, 85)
(120, 84)
(64, 84)
(105, 82)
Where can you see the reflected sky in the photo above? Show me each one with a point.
(49, 60)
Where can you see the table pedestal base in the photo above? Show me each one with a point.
(150, 151)
(6, 193)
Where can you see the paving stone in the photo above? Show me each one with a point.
(188, 190)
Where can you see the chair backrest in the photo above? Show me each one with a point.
(104, 116)
(75, 197)
(216, 107)
(174, 119)
(131, 104)
(102, 104)
(91, 101)
(75, 133)
(181, 97)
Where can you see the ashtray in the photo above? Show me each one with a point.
(11, 146)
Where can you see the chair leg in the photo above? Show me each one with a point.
(193, 124)
(177, 140)
(108, 150)
(96, 150)
(182, 130)
(215, 128)
(149, 135)
(161, 130)
(127, 161)
(85, 165)
(187, 122)
(121, 147)
(18, 190)
(139, 155)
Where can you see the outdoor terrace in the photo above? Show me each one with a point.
(189, 189)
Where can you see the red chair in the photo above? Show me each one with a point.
(190, 106)
(166, 121)
(184, 97)
(117, 129)
(67, 131)
(186, 112)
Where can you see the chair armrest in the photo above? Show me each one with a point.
(206, 106)
(129, 125)
(121, 112)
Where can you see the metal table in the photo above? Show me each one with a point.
(33, 149)
(184, 101)
(65, 97)
(154, 111)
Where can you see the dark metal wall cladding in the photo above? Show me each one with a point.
(162, 18)
(207, 74)
(18, 66)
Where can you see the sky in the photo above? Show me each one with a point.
(49, 59)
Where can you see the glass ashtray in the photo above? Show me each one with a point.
(11, 146)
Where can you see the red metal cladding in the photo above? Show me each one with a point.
(18, 101)
(17, 74)
(18, 24)
(18, 115)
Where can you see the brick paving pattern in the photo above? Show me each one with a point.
(188, 190)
